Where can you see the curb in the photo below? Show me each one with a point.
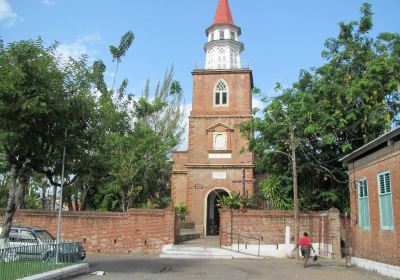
(61, 273)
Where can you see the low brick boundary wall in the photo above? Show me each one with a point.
(270, 227)
(138, 231)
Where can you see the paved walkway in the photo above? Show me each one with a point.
(153, 267)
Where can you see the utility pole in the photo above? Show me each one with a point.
(295, 190)
(61, 199)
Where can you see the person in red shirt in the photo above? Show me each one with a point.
(306, 247)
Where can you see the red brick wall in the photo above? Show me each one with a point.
(270, 225)
(374, 243)
(137, 231)
(239, 82)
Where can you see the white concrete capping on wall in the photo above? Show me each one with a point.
(381, 268)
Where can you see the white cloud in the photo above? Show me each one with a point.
(7, 15)
(79, 47)
(74, 50)
(48, 3)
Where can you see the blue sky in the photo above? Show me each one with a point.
(280, 36)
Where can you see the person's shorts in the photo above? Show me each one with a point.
(305, 251)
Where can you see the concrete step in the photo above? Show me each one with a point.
(190, 252)
(194, 256)
(189, 248)
(184, 231)
(187, 234)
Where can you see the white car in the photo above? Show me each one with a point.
(37, 243)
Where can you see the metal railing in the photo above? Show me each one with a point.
(21, 260)
(241, 237)
(201, 65)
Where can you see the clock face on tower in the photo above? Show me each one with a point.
(219, 142)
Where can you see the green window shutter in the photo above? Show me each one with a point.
(387, 183)
(389, 211)
(385, 201)
(363, 204)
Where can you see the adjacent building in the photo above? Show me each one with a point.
(217, 161)
(374, 182)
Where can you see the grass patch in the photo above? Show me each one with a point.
(19, 269)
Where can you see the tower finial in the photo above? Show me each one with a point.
(223, 47)
(223, 14)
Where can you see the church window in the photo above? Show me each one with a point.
(232, 36)
(217, 97)
(212, 36)
(221, 94)
(224, 98)
(221, 34)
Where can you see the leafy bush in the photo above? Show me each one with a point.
(182, 210)
(272, 190)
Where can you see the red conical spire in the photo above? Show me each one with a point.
(223, 14)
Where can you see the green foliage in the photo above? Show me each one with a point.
(124, 45)
(273, 192)
(167, 116)
(120, 51)
(334, 109)
(32, 202)
(234, 201)
(117, 156)
(182, 210)
(132, 160)
(175, 88)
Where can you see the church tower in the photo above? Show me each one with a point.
(214, 164)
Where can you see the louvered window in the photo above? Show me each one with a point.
(385, 201)
(363, 204)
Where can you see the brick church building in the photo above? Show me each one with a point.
(214, 164)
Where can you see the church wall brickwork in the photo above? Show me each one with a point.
(239, 87)
(270, 227)
(138, 231)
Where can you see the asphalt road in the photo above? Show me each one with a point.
(153, 267)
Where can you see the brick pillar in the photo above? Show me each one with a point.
(225, 227)
(171, 224)
(334, 220)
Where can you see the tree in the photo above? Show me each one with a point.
(138, 135)
(40, 98)
(168, 122)
(335, 109)
(30, 84)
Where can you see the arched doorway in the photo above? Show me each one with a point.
(213, 215)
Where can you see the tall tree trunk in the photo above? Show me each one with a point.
(123, 201)
(84, 198)
(77, 206)
(11, 205)
(44, 188)
(23, 181)
(68, 197)
(53, 206)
